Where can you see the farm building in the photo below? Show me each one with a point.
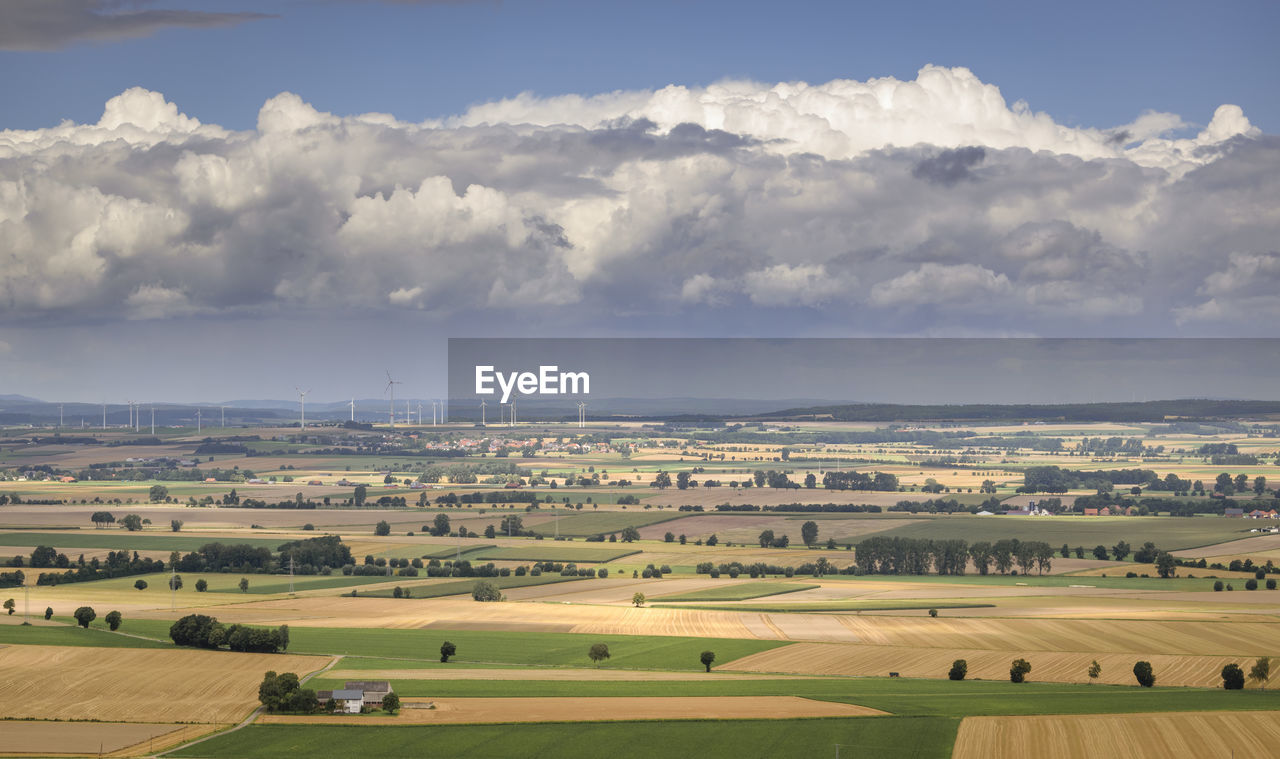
(1233, 512)
(349, 701)
(373, 690)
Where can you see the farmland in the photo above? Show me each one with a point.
(817, 644)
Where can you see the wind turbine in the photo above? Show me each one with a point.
(302, 398)
(482, 405)
(104, 415)
(224, 417)
(433, 414)
(59, 416)
(582, 413)
(353, 409)
(199, 421)
(153, 420)
(391, 385)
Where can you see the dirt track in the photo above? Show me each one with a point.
(481, 710)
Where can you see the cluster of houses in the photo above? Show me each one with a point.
(356, 695)
(1255, 514)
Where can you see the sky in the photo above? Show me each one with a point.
(213, 200)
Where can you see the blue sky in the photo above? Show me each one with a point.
(555, 169)
(1088, 63)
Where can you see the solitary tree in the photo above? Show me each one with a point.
(1261, 671)
(598, 653)
(1095, 670)
(1165, 564)
(486, 591)
(1018, 671)
(175, 525)
(630, 534)
(84, 615)
(175, 582)
(140, 584)
(158, 493)
(201, 585)
(1232, 677)
(244, 584)
(638, 600)
(1144, 674)
(447, 649)
(382, 528)
(959, 668)
(9, 606)
(707, 658)
(809, 532)
(48, 612)
(113, 619)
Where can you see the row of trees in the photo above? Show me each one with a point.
(202, 631)
(917, 556)
(1232, 675)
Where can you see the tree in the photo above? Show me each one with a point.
(1217, 585)
(158, 493)
(382, 528)
(84, 615)
(1120, 550)
(391, 703)
(712, 540)
(1144, 674)
(662, 481)
(1232, 677)
(933, 613)
(1165, 564)
(486, 591)
(113, 619)
(707, 658)
(201, 585)
(809, 532)
(278, 692)
(175, 525)
(637, 600)
(283, 632)
(1018, 670)
(758, 478)
(1261, 671)
(131, 522)
(1065, 551)
(682, 481)
(1259, 485)
(630, 535)
(1095, 670)
(140, 584)
(598, 653)
(440, 525)
(766, 539)
(102, 518)
(447, 649)
(810, 481)
(361, 493)
(244, 584)
(175, 582)
(9, 606)
(959, 668)
(1100, 553)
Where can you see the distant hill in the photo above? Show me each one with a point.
(1143, 411)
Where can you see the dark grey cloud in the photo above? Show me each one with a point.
(55, 24)
(949, 166)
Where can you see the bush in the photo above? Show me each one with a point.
(1232, 677)
(1144, 674)
(933, 613)
(140, 584)
(1217, 585)
(1018, 671)
(1251, 584)
(603, 573)
(1271, 583)
(959, 669)
(84, 615)
(486, 592)
(382, 528)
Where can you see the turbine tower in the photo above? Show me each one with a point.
(153, 420)
(391, 386)
(353, 409)
(199, 421)
(302, 399)
(482, 405)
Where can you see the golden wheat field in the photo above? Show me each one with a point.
(1205, 735)
(1047, 666)
(127, 685)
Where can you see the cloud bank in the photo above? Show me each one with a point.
(886, 206)
(55, 24)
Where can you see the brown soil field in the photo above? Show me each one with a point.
(746, 528)
(498, 710)
(1251, 545)
(120, 684)
(709, 497)
(1204, 735)
(496, 673)
(1047, 666)
(43, 738)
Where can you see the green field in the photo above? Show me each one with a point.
(1169, 533)
(904, 697)
(886, 737)
(435, 590)
(68, 635)
(451, 552)
(832, 606)
(561, 552)
(122, 539)
(739, 592)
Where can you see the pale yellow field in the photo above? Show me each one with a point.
(542, 673)
(984, 664)
(121, 685)
(1204, 735)
(482, 710)
(88, 738)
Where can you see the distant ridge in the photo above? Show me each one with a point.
(1139, 411)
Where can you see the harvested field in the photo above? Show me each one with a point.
(43, 738)
(1255, 544)
(499, 673)
(1047, 666)
(740, 527)
(1205, 735)
(454, 711)
(116, 684)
